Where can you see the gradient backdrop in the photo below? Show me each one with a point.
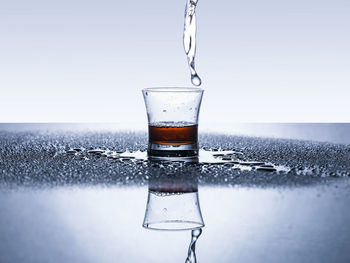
(87, 61)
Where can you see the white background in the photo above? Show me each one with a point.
(260, 61)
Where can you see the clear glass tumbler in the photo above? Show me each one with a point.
(172, 121)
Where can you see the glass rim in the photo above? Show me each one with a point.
(173, 89)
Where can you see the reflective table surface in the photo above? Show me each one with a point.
(62, 202)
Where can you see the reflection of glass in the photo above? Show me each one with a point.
(173, 203)
(172, 121)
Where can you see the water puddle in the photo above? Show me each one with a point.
(207, 159)
(233, 159)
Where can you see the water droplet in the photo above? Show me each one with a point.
(79, 149)
(266, 169)
(71, 151)
(95, 151)
(196, 80)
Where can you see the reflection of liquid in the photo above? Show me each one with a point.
(173, 204)
(191, 257)
(189, 39)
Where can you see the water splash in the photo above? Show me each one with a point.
(189, 39)
(191, 256)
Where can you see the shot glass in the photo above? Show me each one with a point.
(172, 121)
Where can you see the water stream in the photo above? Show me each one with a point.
(189, 39)
(191, 257)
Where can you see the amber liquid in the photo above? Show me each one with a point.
(173, 135)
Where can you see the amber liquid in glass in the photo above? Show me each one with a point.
(173, 135)
(173, 139)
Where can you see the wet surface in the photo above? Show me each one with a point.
(81, 197)
(118, 158)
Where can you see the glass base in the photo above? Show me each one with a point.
(156, 151)
(173, 225)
